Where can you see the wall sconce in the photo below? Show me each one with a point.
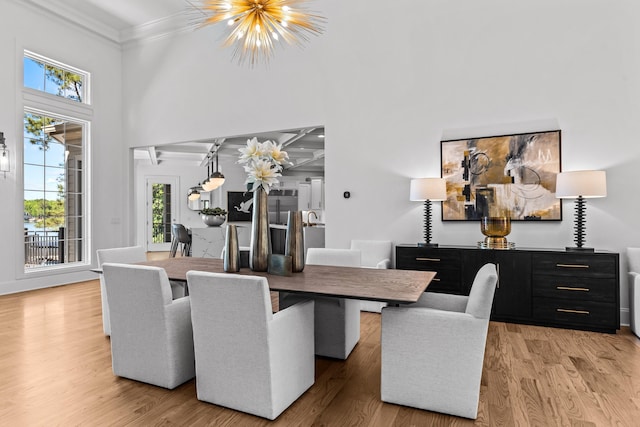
(4, 156)
(580, 185)
(428, 190)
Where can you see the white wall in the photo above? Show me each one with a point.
(389, 81)
(26, 27)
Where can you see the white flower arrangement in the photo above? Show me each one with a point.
(263, 163)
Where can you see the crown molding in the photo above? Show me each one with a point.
(173, 24)
(160, 28)
(71, 15)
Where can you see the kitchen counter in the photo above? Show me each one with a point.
(207, 242)
(313, 237)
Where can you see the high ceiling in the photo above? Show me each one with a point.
(123, 20)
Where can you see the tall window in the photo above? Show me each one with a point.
(55, 151)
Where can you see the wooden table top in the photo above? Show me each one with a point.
(392, 286)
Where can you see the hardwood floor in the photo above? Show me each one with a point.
(55, 369)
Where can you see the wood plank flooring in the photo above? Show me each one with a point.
(55, 370)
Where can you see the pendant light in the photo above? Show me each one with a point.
(216, 179)
(194, 192)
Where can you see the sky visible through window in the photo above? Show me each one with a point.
(44, 157)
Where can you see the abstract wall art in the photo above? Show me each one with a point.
(508, 175)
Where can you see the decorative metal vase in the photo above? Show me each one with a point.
(260, 234)
(294, 242)
(495, 229)
(231, 258)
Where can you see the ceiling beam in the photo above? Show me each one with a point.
(153, 155)
(301, 134)
(318, 154)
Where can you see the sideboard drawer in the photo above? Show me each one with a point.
(417, 259)
(581, 265)
(578, 288)
(580, 314)
(445, 262)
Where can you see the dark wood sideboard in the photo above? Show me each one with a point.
(548, 287)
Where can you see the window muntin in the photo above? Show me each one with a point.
(54, 150)
(50, 77)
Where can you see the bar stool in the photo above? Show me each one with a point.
(180, 237)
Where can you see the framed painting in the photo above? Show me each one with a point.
(239, 205)
(512, 175)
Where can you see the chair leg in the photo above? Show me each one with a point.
(174, 248)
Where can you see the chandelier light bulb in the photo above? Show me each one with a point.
(263, 22)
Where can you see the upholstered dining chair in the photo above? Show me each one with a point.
(180, 237)
(151, 334)
(337, 320)
(128, 255)
(248, 358)
(375, 254)
(633, 261)
(433, 351)
(125, 255)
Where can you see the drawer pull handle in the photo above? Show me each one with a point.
(428, 259)
(435, 280)
(569, 288)
(572, 265)
(565, 310)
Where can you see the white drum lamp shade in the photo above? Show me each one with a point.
(427, 190)
(588, 184)
(434, 189)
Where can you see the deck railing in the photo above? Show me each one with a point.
(44, 249)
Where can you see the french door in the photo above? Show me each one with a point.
(162, 211)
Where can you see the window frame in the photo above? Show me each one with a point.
(86, 81)
(46, 104)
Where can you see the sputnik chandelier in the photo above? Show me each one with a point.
(258, 25)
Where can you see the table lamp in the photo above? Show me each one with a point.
(580, 185)
(428, 190)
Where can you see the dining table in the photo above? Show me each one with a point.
(396, 287)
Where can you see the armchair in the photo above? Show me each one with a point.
(151, 334)
(126, 255)
(247, 358)
(129, 255)
(337, 320)
(433, 351)
(375, 254)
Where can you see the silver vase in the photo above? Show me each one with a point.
(260, 233)
(231, 259)
(294, 243)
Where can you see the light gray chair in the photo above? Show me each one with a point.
(433, 351)
(375, 254)
(128, 255)
(247, 358)
(125, 255)
(337, 320)
(151, 334)
(633, 260)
